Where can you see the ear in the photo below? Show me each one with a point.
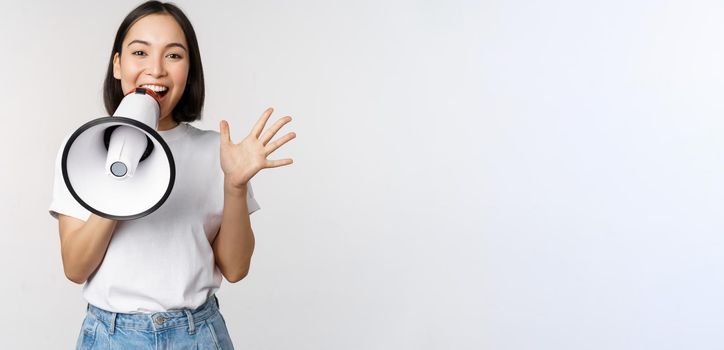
(117, 66)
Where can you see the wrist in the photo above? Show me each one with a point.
(238, 190)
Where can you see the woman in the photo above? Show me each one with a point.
(150, 282)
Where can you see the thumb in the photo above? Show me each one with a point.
(224, 131)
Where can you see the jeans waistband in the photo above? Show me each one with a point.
(157, 321)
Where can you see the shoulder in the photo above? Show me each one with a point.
(201, 135)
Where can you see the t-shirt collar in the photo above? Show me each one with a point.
(174, 133)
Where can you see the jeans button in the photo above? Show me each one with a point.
(159, 320)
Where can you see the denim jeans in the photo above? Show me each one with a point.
(201, 328)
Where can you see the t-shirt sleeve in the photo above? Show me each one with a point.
(62, 201)
(251, 202)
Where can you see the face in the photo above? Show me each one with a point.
(155, 55)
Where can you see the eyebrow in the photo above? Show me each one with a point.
(167, 46)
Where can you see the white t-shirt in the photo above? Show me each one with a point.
(163, 261)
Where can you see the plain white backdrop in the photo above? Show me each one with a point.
(468, 174)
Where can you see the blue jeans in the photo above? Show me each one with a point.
(201, 328)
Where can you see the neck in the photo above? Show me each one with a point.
(166, 124)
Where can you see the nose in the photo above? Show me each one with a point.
(156, 67)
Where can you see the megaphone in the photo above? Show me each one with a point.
(119, 167)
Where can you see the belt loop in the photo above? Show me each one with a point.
(112, 327)
(190, 318)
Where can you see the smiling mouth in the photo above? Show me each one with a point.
(160, 90)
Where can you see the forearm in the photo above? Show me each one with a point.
(83, 248)
(234, 244)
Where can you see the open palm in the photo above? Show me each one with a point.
(241, 161)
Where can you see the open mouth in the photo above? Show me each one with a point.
(160, 90)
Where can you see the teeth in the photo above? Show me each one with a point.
(155, 88)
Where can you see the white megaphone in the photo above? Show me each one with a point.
(119, 167)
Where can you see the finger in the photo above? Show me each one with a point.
(225, 133)
(259, 126)
(274, 129)
(278, 162)
(272, 146)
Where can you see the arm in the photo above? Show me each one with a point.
(234, 244)
(83, 244)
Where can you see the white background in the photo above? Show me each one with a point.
(468, 174)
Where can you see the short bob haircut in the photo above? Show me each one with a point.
(191, 103)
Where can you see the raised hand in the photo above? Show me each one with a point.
(241, 161)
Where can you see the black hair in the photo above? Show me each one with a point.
(191, 103)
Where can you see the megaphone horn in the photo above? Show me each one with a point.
(119, 167)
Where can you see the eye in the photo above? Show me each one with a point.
(174, 56)
(138, 53)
